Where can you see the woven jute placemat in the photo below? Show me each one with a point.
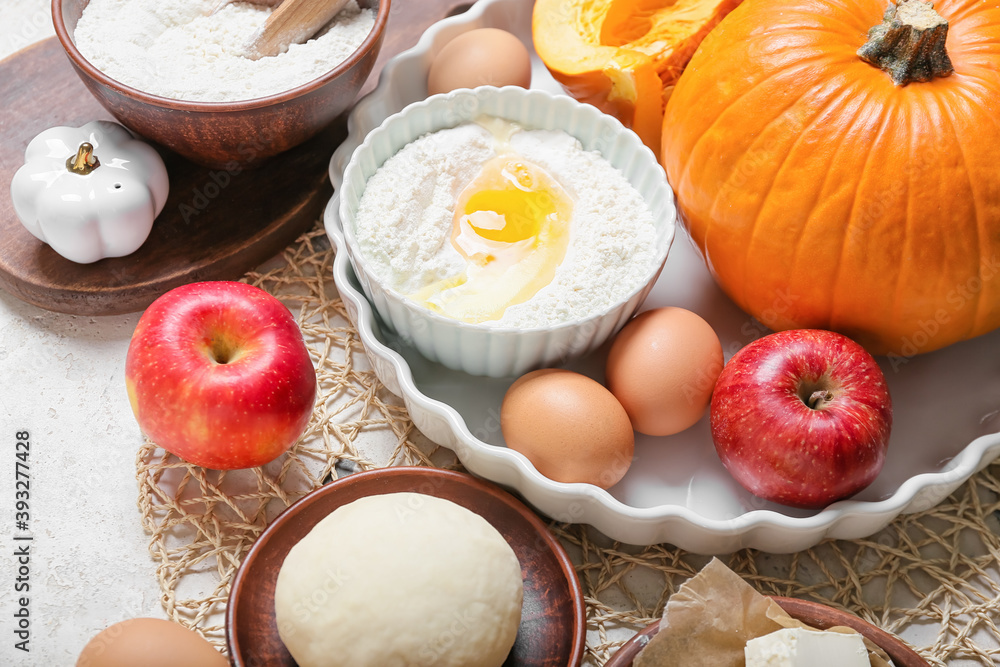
(931, 577)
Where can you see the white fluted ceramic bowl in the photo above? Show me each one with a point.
(481, 349)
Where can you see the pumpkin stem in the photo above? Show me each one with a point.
(909, 43)
(84, 161)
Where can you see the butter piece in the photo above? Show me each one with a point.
(798, 647)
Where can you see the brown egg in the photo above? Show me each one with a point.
(662, 367)
(149, 642)
(483, 57)
(570, 427)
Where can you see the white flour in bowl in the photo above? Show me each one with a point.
(405, 219)
(174, 48)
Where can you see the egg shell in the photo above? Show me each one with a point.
(662, 368)
(149, 642)
(570, 427)
(483, 57)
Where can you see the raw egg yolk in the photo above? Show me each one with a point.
(511, 224)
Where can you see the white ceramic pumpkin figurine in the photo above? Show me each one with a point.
(90, 192)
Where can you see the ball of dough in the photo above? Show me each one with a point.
(400, 579)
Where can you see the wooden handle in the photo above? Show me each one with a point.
(293, 22)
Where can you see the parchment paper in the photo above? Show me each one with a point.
(710, 618)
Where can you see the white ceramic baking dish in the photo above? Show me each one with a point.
(946, 403)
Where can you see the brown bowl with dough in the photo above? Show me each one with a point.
(553, 625)
(228, 134)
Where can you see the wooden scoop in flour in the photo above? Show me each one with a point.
(293, 22)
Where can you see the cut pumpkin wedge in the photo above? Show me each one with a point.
(623, 56)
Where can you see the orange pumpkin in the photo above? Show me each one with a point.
(623, 56)
(824, 194)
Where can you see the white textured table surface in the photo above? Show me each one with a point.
(62, 380)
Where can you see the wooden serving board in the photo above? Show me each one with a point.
(215, 225)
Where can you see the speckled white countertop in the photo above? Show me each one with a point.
(62, 379)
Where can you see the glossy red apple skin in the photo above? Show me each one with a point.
(776, 445)
(218, 373)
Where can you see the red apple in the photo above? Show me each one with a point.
(802, 417)
(218, 374)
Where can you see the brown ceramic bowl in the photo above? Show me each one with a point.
(811, 613)
(553, 619)
(228, 135)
